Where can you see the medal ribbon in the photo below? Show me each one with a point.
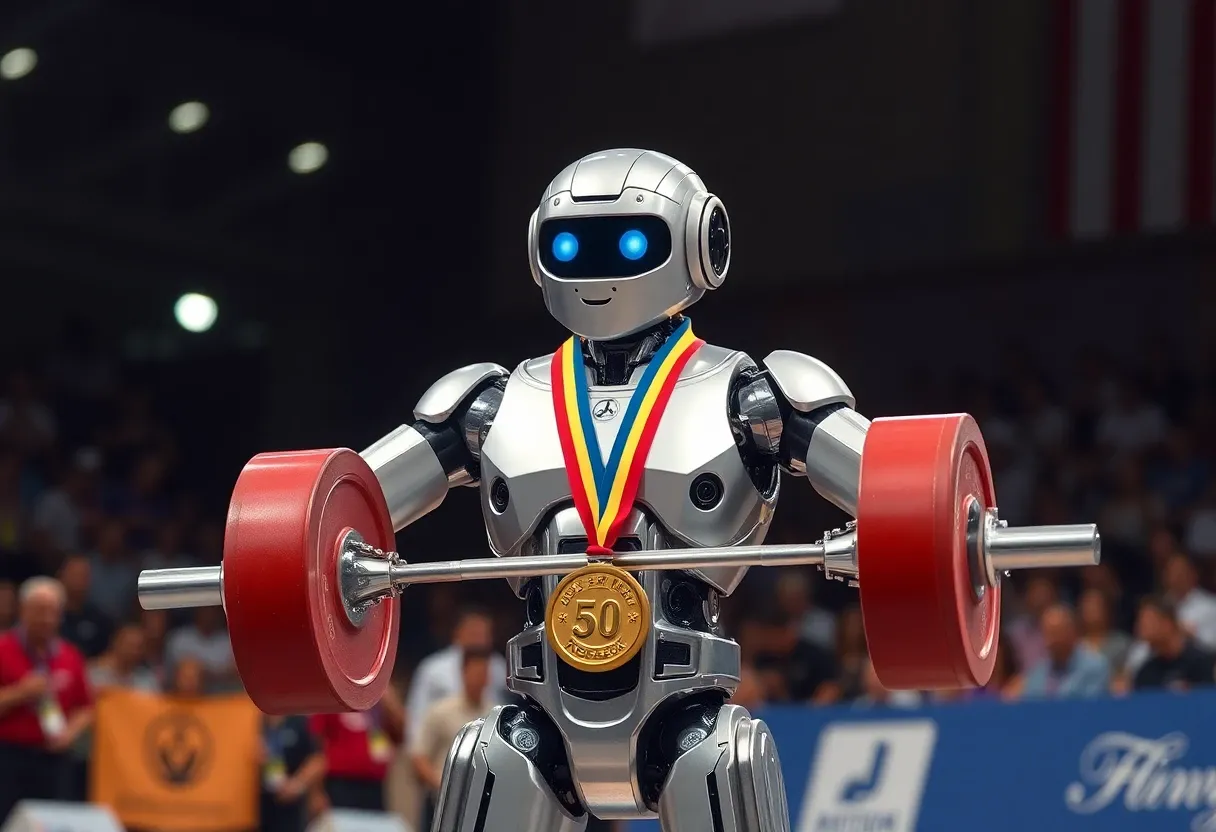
(604, 492)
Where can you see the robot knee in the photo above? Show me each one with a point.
(494, 779)
(726, 775)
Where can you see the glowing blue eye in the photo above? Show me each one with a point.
(633, 244)
(565, 246)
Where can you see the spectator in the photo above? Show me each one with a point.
(189, 680)
(1104, 579)
(795, 598)
(358, 749)
(1097, 632)
(83, 624)
(1023, 631)
(874, 695)
(205, 640)
(292, 765)
(778, 638)
(1196, 607)
(45, 702)
(1133, 424)
(1174, 660)
(155, 627)
(1131, 513)
(1070, 670)
(1180, 477)
(851, 657)
(443, 720)
(439, 674)
(122, 666)
(114, 575)
(63, 514)
(142, 501)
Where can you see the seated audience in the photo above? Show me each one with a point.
(1070, 669)
(1175, 661)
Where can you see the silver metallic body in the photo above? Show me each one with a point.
(653, 737)
(516, 441)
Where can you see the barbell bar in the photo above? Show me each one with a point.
(367, 574)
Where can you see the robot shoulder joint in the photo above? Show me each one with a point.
(805, 382)
(455, 389)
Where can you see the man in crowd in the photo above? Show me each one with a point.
(1069, 670)
(439, 675)
(1174, 660)
(45, 702)
(114, 575)
(207, 641)
(292, 765)
(83, 624)
(429, 745)
(1196, 607)
(122, 666)
(358, 749)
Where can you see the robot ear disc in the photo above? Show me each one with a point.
(708, 241)
(533, 254)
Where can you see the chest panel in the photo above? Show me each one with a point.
(693, 440)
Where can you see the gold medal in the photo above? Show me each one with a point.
(597, 618)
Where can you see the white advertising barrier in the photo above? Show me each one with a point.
(52, 816)
(352, 820)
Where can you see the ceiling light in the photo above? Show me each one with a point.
(18, 63)
(307, 157)
(188, 117)
(195, 312)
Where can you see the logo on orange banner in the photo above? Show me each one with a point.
(177, 766)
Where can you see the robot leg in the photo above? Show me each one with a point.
(726, 775)
(508, 773)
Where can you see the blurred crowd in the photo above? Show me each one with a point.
(91, 492)
(1130, 445)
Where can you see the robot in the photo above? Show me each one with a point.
(622, 243)
(627, 481)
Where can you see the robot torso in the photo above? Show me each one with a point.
(695, 491)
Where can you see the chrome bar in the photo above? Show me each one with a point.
(1031, 547)
(404, 574)
(1043, 547)
(171, 589)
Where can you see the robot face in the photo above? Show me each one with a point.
(623, 240)
(579, 248)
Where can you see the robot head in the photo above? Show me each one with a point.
(624, 239)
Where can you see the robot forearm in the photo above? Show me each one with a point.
(822, 435)
(831, 456)
(410, 473)
(416, 464)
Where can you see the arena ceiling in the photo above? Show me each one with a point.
(97, 187)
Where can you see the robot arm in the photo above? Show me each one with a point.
(416, 464)
(810, 426)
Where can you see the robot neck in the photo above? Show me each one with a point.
(615, 361)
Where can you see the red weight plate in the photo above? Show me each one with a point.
(925, 625)
(295, 649)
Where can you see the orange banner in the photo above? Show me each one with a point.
(177, 765)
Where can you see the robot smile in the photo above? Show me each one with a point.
(591, 302)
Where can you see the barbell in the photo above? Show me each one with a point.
(311, 588)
